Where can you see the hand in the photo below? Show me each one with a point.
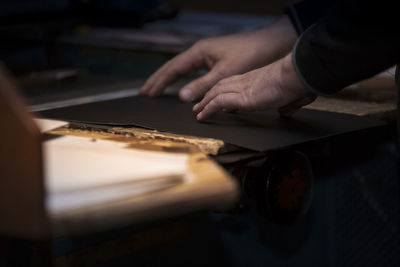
(223, 57)
(273, 86)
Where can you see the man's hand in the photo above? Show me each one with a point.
(223, 57)
(273, 86)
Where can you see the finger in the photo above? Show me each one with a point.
(150, 81)
(197, 88)
(162, 70)
(230, 85)
(180, 65)
(289, 109)
(229, 101)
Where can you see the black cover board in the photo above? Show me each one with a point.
(260, 130)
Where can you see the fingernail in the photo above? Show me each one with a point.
(195, 107)
(186, 95)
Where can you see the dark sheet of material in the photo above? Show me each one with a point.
(261, 130)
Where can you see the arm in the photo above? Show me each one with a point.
(344, 46)
(223, 57)
(353, 41)
(273, 86)
(307, 12)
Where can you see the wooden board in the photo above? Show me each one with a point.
(374, 97)
(149, 139)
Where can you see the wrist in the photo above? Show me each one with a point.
(278, 38)
(289, 81)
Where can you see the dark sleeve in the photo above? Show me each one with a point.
(306, 13)
(351, 41)
(397, 79)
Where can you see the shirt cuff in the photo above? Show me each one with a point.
(309, 68)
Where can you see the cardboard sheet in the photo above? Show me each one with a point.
(260, 130)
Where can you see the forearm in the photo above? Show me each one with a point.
(288, 80)
(307, 12)
(274, 41)
(346, 45)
